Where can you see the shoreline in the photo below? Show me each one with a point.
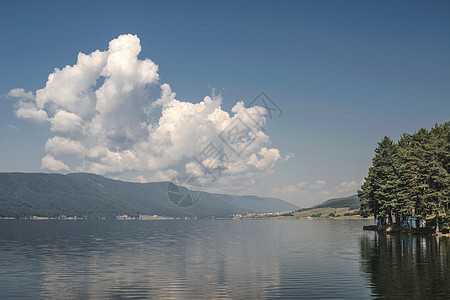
(302, 218)
(397, 230)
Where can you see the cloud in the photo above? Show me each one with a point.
(52, 164)
(28, 110)
(309, 193)
(66, 122)
(26, 107)
(321, 186)
(301, 184)
(318, 184)
(21, 94)
(288, 156)
(166, 96)
(268, 158)
(347, 186)
(102, 121)
(63, 146)
(291, 188)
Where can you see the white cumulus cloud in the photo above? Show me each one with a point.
(21, 94)
(63, 146)
(103, 122)
(66, 122)
(28, 110)
(52, 164)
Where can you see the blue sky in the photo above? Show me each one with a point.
(345, 73)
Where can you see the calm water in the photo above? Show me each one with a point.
(218, 259)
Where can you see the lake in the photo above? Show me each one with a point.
(217, 259)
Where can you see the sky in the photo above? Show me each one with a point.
(144, 90)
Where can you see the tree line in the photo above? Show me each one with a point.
(409, 177)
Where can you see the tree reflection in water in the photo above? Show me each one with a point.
(406, 267)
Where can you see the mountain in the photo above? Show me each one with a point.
(83, 194)
(352, 202)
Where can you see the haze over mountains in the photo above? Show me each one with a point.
(83, 194)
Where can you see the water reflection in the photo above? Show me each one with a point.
(406, 267)
(155, 259)
(302, 259)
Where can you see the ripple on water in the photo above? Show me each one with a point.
(218, 259)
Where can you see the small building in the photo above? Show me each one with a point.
(412, 222)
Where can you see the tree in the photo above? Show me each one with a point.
(410, 177)
(378, 193)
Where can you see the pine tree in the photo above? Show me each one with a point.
(378, 192)
(411, 177)
(401, 165)
(438, 177)
(369, 205)
(419, 169)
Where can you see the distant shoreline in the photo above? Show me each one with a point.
(316, 213)
(303, 218)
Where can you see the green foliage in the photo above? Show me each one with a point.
(351, 214)
(410, 177)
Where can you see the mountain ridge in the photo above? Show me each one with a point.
(352, 202)
(91, 195)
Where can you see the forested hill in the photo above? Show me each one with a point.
(81, 194)
(350, 202)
